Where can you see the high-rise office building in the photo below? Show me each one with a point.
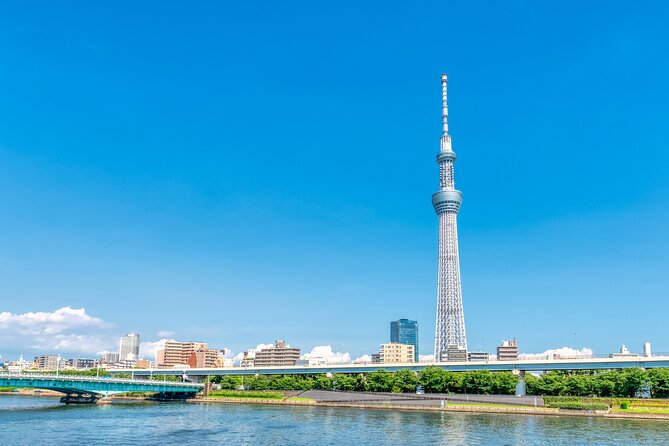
(450, 327)
(129, 347)
(405, 331)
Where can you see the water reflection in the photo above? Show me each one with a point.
(27, 420)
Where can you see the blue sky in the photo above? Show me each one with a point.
(241, 173)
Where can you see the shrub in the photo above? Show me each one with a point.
(246, 394)
(577, 405)
(624, 405)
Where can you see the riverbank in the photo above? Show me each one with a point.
(426, 404)
(381, 402)
(33, 393)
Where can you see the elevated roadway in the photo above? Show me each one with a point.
(539, 365)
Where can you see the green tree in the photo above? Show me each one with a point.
(322, 382)
(578, 384)
(659, 382)
(432, 380)
(550, 383)
(258, 382)
(343, 382)
(606, 383)
(633, 382)
(228, 382)
(504, 383)
(380, 381)
(479, 381)
(405, 381)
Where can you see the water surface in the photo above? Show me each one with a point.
(33, 421)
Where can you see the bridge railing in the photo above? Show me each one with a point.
(96, 379)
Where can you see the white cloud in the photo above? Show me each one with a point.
(148, 349)
(49, 322)
(165, 334)
(554, 353)
(65, 330)
(425, 358)
(364, 359)
(331, 357)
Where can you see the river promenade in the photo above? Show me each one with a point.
(492, 404)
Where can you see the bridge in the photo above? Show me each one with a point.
(520, 367)
(538, 365)
(84, 389)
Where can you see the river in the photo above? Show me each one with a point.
(26, 420)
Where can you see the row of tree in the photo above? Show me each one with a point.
(432, 380)
(611, 383)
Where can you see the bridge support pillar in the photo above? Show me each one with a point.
(72, 398)
(521, 389)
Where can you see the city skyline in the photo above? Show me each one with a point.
(171, 184)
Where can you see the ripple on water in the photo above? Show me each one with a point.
(30, 421)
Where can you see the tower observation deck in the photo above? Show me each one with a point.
(450, 327)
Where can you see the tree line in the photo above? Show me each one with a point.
(609, 383)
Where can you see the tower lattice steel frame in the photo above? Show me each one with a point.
(450, 329)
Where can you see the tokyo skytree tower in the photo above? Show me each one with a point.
(450, 315)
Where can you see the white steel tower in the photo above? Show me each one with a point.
(450, 315)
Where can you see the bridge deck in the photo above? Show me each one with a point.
(95, 386)
(495, 366)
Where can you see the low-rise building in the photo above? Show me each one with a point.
(394, 352)
(203, 358)
(20, 365)
(279, 355)
(478, 356)
(192, 354)
(110, 358)
(508, 350)
(455, 353)
(47, 362)
(312, 361)
(221, 361)
(82, 364)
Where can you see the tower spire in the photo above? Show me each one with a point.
(444, 102)
(445, 137)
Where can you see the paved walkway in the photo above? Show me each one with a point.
(428, 399)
